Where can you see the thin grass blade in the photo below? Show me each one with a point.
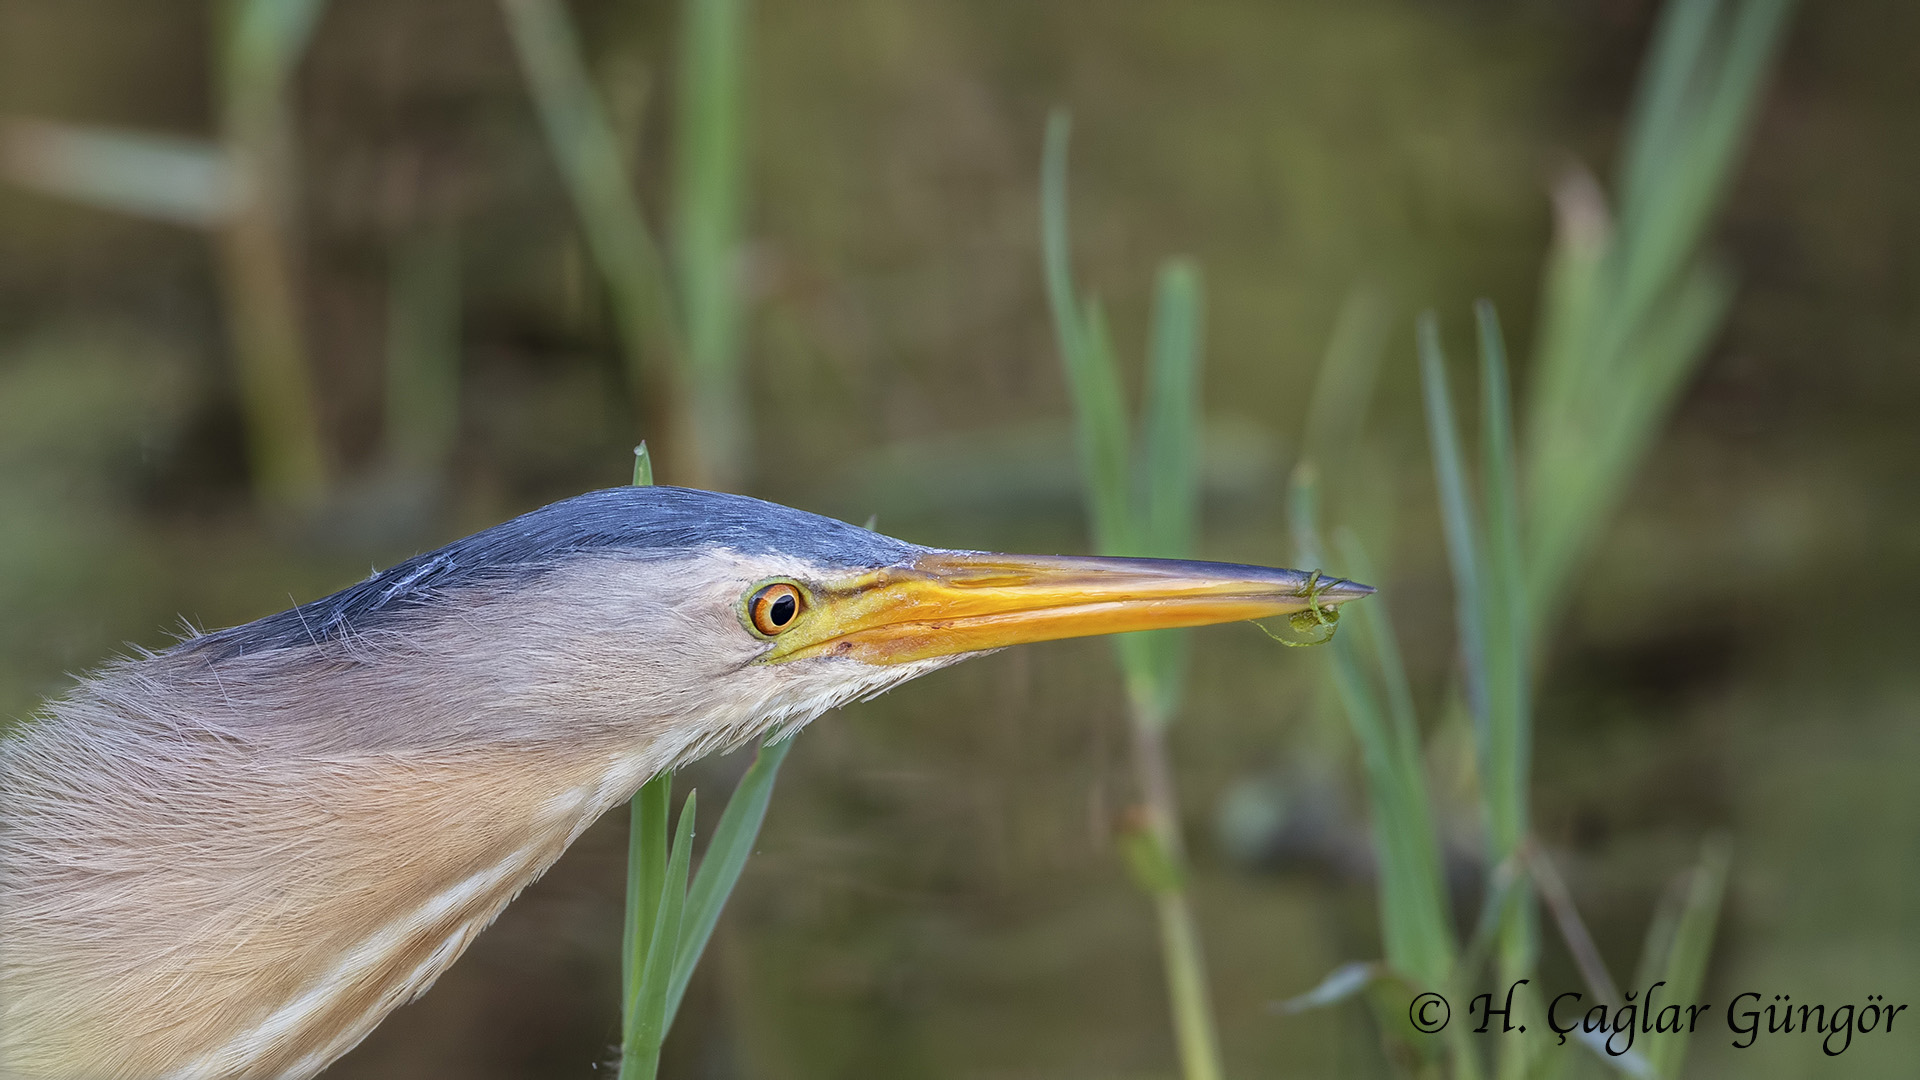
(1500, 479)
(1488, 664)
(706, 230)
(1506, 677)
(646, 1021)
(646, 847)
(1502, 889)
(1086, 351)
(1604, 376)
(1195, 1033)
(261, 43)
(1168, 511)
(1344, 982)
(1589, 472)
(1630, 1063)
(1415, 921)
(646, 875)
(1658, 944)
(1573, 300)
(1172, 413)
(181, 181)
(642, 465)
(1573, 929)
(1056, 249)
(1666, 225)
(1457, 514)
(1505, 680)
(1102, 404)
(1660, 107)
(1693, 935)
(1377, 626)
(268, 37)
(720, 867)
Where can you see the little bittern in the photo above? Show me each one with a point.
(234, 857)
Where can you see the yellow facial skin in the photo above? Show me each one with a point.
(960, 602)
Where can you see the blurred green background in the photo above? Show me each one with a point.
(936, 892)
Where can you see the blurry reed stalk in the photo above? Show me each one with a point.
(1148, 505)
(260, 48)
(593, 164)
(678, 318)
(706, 230)
(1483, 549)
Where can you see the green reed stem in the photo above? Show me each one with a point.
(262, 44)
(1143, 506)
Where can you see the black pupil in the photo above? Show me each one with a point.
(781, 611)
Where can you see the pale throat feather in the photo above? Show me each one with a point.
(377, 896)
(507, 846)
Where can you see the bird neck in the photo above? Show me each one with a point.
(144, 850)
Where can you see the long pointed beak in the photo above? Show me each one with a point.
(951, 602)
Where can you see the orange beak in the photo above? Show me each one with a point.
(952, 602)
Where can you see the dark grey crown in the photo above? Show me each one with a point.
(641, 521)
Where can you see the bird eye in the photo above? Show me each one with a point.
(773, 609)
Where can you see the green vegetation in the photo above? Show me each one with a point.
(593, 165)
(1630, 303)
(668, 922)
(1628, 314)
(689, 320)
(263, 41)
(1142, 504)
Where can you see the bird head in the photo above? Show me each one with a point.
(705, 619)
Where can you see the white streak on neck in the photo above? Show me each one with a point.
(406, 990)
(247, 1048)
